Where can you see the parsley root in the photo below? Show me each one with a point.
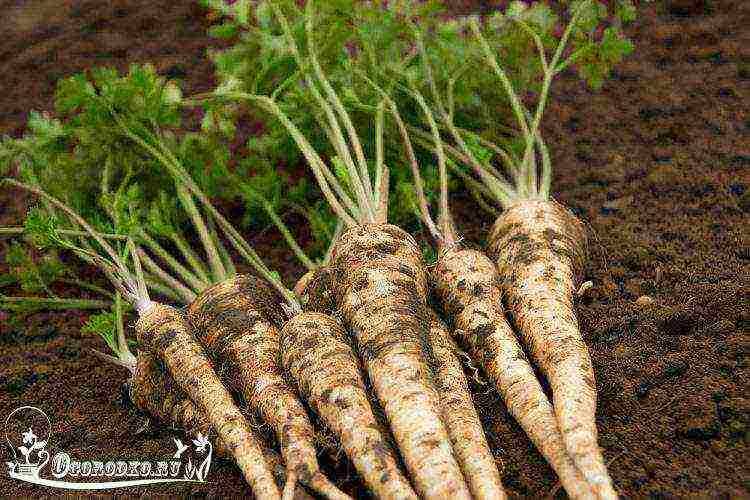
(380, 283)
(460, 415)
(466, 283)
(166, 333)
(316, 352)
(153, 390)
(237, 321)
(540, 250)
(538, 247)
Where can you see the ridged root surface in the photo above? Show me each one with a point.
(466, 283)
(381, 287)
(540, 250)
(316, 352)
(460, 416)
(164, 331)
(154, 391)
(231, 319)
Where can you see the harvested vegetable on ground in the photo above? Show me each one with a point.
(460, 415)
(237, 321)
(154, 391)
(466, 283)
(538, 246)
(380, 279)
(316, 352)
(227, 321)
(165, 332)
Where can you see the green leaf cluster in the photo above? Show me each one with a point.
(359, 44)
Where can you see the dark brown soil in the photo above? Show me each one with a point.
(658, 163)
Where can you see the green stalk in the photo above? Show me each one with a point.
(338, 106)
(379, 145)
(115, 270)
(88, 286)
(444, 217)
(313, 159)
(184, 292)
(225, 257)
(16, 303)
(153, 283)
(178, 172)
(193, 281)
(64, 232)
(190, 256)
(123, 352)
(333, 180)
(339, 143)
(418, 185)
(214, 259)
(287, 234)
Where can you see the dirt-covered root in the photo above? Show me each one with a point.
(465, 281)
(358, 245)
(460, 416)
(153, 390)
(230, 320)
(316, 291)
(164, 331)
(540, 249)
(301, 285)
(315, 350)
(382, 301)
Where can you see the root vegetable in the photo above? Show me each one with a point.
(237, 322)
(380, 284)
(316, 352)
(538, 246)
(165, 332)
(460, 416)
(154, 391)
(380, 297)
(316, 291)
(466, 284)
(540, 249)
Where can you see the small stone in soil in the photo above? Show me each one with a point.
(642, 390)
(644, 301)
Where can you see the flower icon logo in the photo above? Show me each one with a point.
(30, 446)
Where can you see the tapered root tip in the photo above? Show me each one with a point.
(289, 486)
(602, 486)
(325, 487)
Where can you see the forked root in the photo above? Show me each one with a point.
(466, 283)
(540, 250)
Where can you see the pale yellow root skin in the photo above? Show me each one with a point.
(466, 283)
(460, 416)
(316, 353)
(299, 288)
(232, 319)
(156, 393)
(381, 284)
(540, 249)
(164, 331)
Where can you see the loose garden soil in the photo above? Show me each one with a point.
(657, 162)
